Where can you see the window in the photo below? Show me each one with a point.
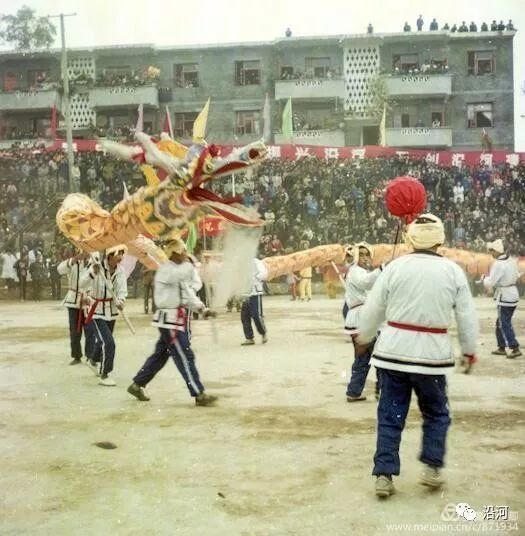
(186, 75)
(10, 81)
(317, 67)
(248, 122)
(184, 124)
(247, 73)
(405, 62)
(405, 120)
(286, 73)
(437, 119)
(480, 115)
(481, 62)
(36, 78)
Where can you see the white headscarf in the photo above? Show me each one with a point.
(496, 246)
(425, 232)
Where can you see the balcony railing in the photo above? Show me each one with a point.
(330, 138)
(419, 85)
(310, 88)
(419, 137)
(31, 99)
(124, 96)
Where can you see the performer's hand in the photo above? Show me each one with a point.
(468, 362)
(119, 304)
(96, 268)
(359, 346)
(208, 313)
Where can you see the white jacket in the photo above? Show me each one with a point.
(420, 290)
(503, 277)
(358, 282)
(175, 295)
(260, 273)
(74, 272)
(98, 286)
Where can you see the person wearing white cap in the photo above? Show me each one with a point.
(175, 298)
(415, 297)
(503, 278)
(73, 268)
(108, 288)
(360, 278)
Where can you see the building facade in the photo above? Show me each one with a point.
(409, 90)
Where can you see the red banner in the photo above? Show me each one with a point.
(298, 152)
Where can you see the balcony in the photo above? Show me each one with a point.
(330, 138)
(419, 85)
(419, 137)
(124, 97)
(29, 100)
(314, 88)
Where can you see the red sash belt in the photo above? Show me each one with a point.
(412, 327)
(94, 307)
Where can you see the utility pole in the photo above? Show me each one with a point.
(65, 100)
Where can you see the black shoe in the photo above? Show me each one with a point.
(75, 361)
(205, 400)
(359, 398)
(138, 392)
(499, 351)
(515, 352)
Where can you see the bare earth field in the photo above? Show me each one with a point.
(281, 453)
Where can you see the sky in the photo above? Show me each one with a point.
(120, 22)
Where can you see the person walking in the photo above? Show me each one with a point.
(175, 297)
(503, 278)
(415, 297)
(252, 306)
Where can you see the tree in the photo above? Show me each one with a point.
(27, 31)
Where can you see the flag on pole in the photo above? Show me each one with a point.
(191, 239)
(167, 123)
(140, 119)
(382, 128)
(199, 125)
(53, 126)
(287, 122)
(266, 120)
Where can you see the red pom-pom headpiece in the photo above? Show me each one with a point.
(405, 197)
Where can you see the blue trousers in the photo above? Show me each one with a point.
(105, 346)
(75, 336)
(360, 369)
(252, 309)
(177, 345)
(504, 330)
(396, 391)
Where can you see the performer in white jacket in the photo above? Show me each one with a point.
(108, 288)
(175, 284)
(416, 295)
(360, 278)
(74, 268)
(503, 278)
(252, 306)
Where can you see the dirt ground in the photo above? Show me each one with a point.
(281, 453)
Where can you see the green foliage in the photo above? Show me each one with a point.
(26, 31)
(379, 98)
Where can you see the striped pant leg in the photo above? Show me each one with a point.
(256, 312)
(184, 358)
(156, 360)
(104, 331)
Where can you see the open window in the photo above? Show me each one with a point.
(248, 73)
(183, 127)
(186, 75)
(317, 67)
(405, 62)
(480, 115)
(481, 62)
(248, 122)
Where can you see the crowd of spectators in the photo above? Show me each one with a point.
(305, 203)
(463, 27)
(312, 202)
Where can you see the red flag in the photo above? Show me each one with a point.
(53, 128)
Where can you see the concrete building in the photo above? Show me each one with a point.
(437, 89)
